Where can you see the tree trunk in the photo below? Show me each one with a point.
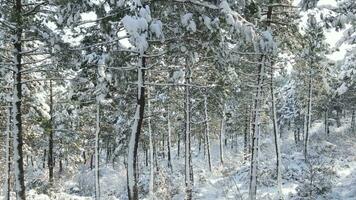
(326, 122)
(84, 157)
(246, 133)
(91, 161)
(60, 166)
(232, 141)
(276, 138)
(250, 131)
(353, 121)
(8, 160)
(146, 156)
(309, 110)
(222, 135)
(155, 155)
(338, 117)
(97, 132)
(150, 141)
(169, 142)
(107, 151)
(178, 144)
(207, 140)
(50, 139)
(199, 142)
(256, 132)
(188, 182)
(44, 159)
(16, 105)
(135, 133)
(295, 136)
(163, 145)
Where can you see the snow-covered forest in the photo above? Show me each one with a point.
(177, 99)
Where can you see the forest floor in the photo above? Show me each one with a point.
(330, 173)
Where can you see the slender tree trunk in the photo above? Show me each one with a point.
(169, 142)
(97, 132)
(207, 131)
(135, 133)
(50, 139)
(256, 132)
(353, 121)
(60, 166)
(338, 117)
(326, 122)
(309, 111)
(305, 122)
(246, 132)
(199, 142)
(155, 155)
(222, 136)
(178, 144)
(188, 182)
(250, 130)
(91, 161)
(150, 141)
(16, 104)
(163, 145)
(146, 156)
(295, 136)
(44, 159)
(276, 138)
(84, 158)
(108, 151)
(232, 141)
(8, 160)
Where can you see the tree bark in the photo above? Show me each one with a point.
(84, 157)
(135, 133)
(207, 131)
(169, 142)
(246, 133)
(150, 141)
(188, 181)
(256, 132)
(91, 161)
(44, 159)
(222, 137)
(326, 122)
(8, 160)
(353, 121)
(338, 117)
(178, 144)
(50, 138)
(276, 138)
(97, 132)
(308, 122)
(16, 105)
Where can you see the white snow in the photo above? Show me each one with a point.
(342, 89)
(188, 22)
(134, 25)
(229, 181)
(156, 28)
(145, 13)
(327, 3)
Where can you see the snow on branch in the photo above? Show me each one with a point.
(199, 3)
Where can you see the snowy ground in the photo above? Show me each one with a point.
(333, 160)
